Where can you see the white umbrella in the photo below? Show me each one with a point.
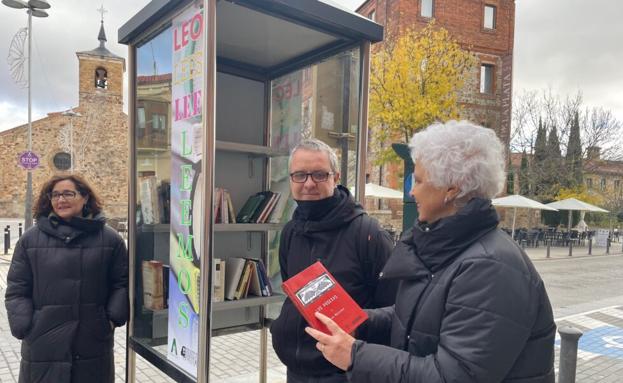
(572, 204)
(378, 191)
(517, 201)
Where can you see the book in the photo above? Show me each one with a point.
(256, 214)
(249, 207)
(233, 271)
(153, 285)
(148, 196)
(230, 207)
(218, 192)
(243, 284)
(316, 290)
(255, 285)
(269, 208)
(219, 280)
(267, 289)
(165, 280)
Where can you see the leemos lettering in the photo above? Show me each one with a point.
(189, 30)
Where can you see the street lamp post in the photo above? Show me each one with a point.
(33, 8)
(71, 114)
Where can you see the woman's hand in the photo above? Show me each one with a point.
(336, 348)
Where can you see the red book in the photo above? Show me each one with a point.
(315, 290)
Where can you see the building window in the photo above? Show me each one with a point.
(158, 122)
(489, 19)
(602, 185)
(426, 8)
(140, 115)
(62, 161)
(486, 78)
(589, 183)
(101, 78)
(372, 15)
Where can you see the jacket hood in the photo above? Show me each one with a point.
(55, 226)
(431, 247)
(345, 209)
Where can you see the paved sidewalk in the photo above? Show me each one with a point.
(235, 357)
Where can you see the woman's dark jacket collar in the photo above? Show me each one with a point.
(428, 248)
(55, 226)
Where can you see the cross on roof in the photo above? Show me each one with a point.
(102, 11)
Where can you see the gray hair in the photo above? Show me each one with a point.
(461, 154)
(316, 145)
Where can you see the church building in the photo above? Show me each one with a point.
(90, 139)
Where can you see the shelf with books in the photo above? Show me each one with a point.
(248, 302)
(258, 150)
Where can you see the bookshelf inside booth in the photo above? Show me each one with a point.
(242, 162)
(284, 71)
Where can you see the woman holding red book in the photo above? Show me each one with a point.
(470, 306)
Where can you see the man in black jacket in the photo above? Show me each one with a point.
(327, 226)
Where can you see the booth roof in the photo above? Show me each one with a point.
(322, 15)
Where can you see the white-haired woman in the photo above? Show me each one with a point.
(470, 307)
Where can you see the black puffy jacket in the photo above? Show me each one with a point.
(470, 308)
(354, 248)
(65, 283)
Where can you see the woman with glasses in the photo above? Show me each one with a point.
(470, 307)
(67, 287)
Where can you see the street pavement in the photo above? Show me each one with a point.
(579, 282)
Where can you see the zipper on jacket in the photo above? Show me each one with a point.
(413, 314)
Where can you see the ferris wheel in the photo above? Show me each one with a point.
(17, 58)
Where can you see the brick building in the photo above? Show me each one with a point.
(485, 28)
(95, 142)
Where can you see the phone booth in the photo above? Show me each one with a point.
(220, 91)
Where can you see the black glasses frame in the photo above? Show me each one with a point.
(317, 176)
(66, 194)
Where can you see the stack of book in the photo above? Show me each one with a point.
(223, 207)
(155, 285)
(244, 276)
(263, 207)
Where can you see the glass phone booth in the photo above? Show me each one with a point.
(220, 91)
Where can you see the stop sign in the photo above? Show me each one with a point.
(28, 160)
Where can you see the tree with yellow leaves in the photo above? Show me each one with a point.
(414, 82)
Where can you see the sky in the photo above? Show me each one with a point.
(565, 45)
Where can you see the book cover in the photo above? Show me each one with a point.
(267, 196)
(255, 286)
(243, 284)
(148, 196)
(246, 212)
(269, 208)
(267, 287)
(153, 286)
(233, 271)
(230, 206)
(218, 192)
(219, 280)
(316, 290)
(275, 215)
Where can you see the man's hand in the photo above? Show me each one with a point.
(336, 348)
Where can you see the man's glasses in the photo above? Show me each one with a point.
(318, 176)
(68, 195)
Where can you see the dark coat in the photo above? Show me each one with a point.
(470, 308)
(65, 283)
(354, 248)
